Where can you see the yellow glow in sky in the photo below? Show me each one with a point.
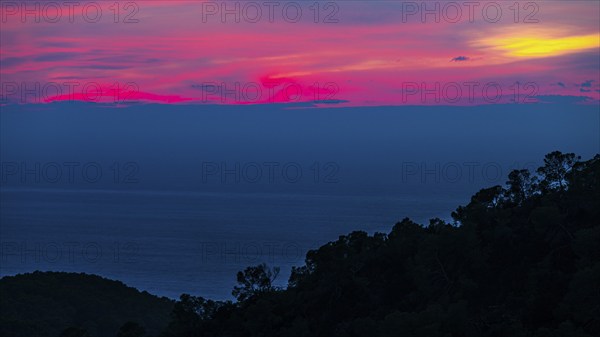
(519, 46)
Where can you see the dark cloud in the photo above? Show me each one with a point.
(105, 67)
(124, 59)
(561, 84)
(586, 86)
(58, 44)
(562, 99)
(205, 87)
(59, 56)
(460, 59)
(331, 101)
(12, 61)
(68, 78)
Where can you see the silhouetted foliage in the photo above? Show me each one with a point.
(49, 304)
(517, 261)
(254, 281)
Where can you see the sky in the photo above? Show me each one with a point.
(349, 53)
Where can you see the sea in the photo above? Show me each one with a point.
(170, 243)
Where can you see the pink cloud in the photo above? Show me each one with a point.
(171, 52)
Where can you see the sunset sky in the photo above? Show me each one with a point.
(357, 53)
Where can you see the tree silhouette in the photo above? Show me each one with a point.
(556, 167)
(521, 185)
(254, 280)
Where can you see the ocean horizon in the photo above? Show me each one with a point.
(174, 242)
